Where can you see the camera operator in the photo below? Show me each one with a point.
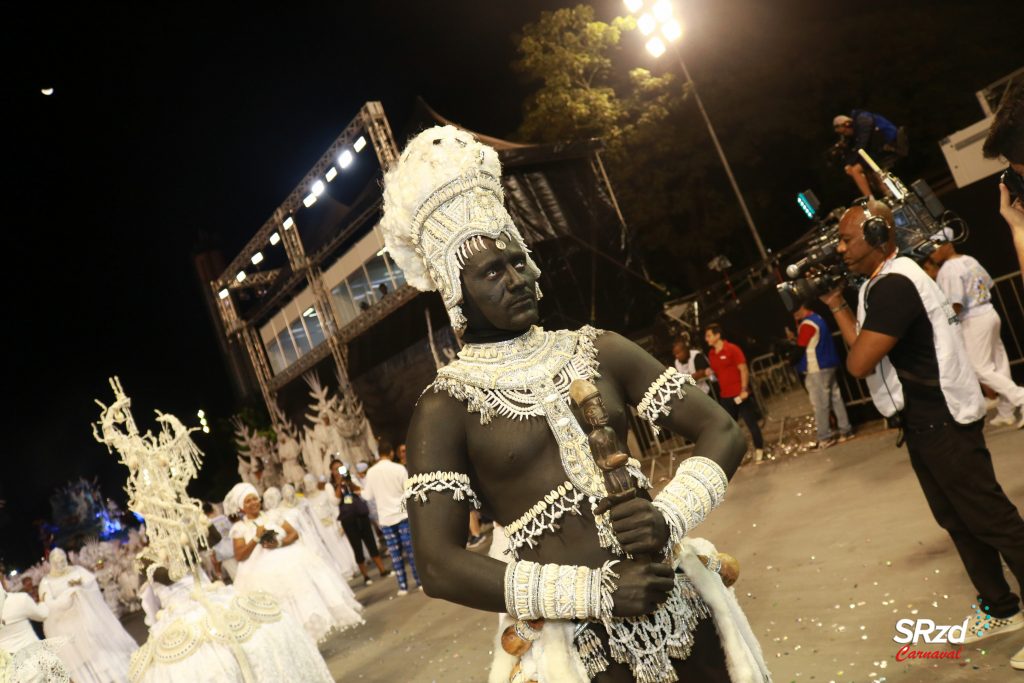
(1006, 139)
(905, 342)
(818, 364)
(873, 133)
(968, 287)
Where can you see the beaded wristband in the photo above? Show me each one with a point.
(697, 488)
(559, 591)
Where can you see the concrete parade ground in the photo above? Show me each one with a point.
(835, 547)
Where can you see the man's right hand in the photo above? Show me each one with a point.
(1013, 212)
(642, 587)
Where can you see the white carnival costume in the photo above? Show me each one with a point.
(23, 657)
(441, 199)
(98, 648)
(303, 522)
(305, 585)
(323, 508)
(199, 632)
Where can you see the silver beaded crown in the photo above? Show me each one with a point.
(440, 200)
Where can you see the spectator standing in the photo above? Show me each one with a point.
(730, 367)
(818, 364)
(385, 485)
(693, 362)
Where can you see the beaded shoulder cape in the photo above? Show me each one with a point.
(529, 376)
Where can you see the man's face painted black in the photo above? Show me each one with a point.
(499, 293)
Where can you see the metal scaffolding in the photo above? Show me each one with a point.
(371, 122)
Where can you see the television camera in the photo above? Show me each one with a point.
(919, 224)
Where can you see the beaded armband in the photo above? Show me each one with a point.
(658, 397)
(419, 485)
(697, 489)
(559, 591)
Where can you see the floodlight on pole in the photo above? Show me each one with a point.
(257, 258)
(662, 11)
(223, 294)
(201, 413)
(275, 238)
(672, 30)
(646, 23)
(345, 158)
(241, 276)
(331, 174)
(661, 15)
(318, 188)
(655, 46)
(288, 223)
(206, 429)
(309, 200)
(359, 144)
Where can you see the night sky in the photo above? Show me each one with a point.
(174, 128)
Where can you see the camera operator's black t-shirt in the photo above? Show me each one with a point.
(894, 307)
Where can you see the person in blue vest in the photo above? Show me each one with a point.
(818, 365)
(873, 133)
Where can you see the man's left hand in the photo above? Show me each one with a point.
(640, 527)
(833, 298)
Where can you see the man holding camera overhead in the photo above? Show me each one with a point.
(906, 343)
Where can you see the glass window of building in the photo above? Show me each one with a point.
(360, 288)
(397, 276)
(343, 305)
(284, 340)
(380, 277)
(277, 363)
(299, 335)
(316, 332)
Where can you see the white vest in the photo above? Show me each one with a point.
(956, 377)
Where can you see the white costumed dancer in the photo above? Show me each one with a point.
(323, 507)
(199, 632)
(182, 646)
(98, 648)
(288, 450)
(303, 522)
(305, 585)
(23, 657)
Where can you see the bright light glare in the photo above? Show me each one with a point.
(646, 24)
(345, 158)
(309, 312)
(288, 223)
(241, 276)
(671, 30)
(223, 294)
(359, 144)
(257, 258)
(634, 6)
(275, 238)
(202, 421)
(662, 10)
(206, 429)
(656, 46)
(331, 174)
(318, 188)
(309, 201)
(201, 413)
(47, 91)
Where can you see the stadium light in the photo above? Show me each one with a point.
(359, 144)
(223, 293)
(309, 201)
(241, 276)
(309, 312)
(288, 223)
(671, 30)
(646, 23)
(206, 429)
(345, 158)
(275, 238)
(201, 413)
(318, 188)
(331, 174)
(634, 6)
(257, 258)
(662, 11)
(656, 46)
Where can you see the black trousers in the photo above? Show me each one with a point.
(955, 470)
(358, 530)
(745, 411)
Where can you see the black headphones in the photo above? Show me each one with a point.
(876, 228)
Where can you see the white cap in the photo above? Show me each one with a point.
(840, 120)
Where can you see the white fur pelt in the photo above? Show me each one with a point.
(743, 655)
(553, 659)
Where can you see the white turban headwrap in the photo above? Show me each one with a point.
(237, 495)
(271, 498)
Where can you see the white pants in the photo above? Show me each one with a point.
(989, 359)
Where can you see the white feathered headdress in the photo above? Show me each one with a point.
(442, 196)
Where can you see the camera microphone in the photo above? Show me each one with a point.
(820, 255)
